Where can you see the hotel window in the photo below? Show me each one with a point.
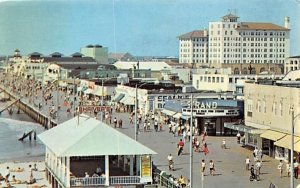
(281, 109)
(197, 84)
(249, 107)
(259, 106)
(265, 107)
(209, 79)
(213, 79)
(222, 79)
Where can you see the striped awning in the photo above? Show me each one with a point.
(243, 128)
(177, 115)
(168, 112)
(118, 97)
(127, 100)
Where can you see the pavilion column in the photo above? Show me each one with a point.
(68, 172)
(107, 170)
(118, 162)
(124, 163)
(131, 165)
(137, 164)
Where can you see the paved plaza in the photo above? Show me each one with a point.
(229, 163)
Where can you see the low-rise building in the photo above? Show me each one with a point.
(75, 151)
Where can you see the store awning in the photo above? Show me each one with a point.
(285, 142)
(297, 146)
(272, 135)
(99, 93)
(256, 125)
(168, 112)
(177, 115)
(88, 91)
(127, 100)
(243, 128)
(185, 117)
(118, 97)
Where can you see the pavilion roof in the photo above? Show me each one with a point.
(90, 137)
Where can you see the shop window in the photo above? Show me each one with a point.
(252, 139)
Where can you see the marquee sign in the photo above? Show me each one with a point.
(93, 108)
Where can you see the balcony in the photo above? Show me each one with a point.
(100, 181)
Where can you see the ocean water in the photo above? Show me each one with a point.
(13, 150)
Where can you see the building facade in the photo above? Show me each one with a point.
(230, 41)
(98, 52)
(193, 47)
(292, 63)
(270, 108)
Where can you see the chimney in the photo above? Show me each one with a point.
(287, 22)
(205, 32)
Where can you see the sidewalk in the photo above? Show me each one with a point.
(229, 163)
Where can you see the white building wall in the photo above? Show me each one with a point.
(271, 106)
(291, 64)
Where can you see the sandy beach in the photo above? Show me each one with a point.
(39, 175)
(16, 124)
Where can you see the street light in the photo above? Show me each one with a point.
(135, 110)
(102, 95)
(292, 146)
(191, 144)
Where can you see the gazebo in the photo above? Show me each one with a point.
(84, 152)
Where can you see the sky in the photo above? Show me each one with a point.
(140, 27)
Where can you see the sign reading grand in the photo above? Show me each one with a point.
(206, 104)
(93, 108)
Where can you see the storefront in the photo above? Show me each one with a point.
(209, 115)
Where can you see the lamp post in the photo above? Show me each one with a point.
(292, 147)
(135, 110)
(191, 144)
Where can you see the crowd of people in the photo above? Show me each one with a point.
(8, 179)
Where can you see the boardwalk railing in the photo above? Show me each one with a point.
(98, 181)
(124, 180)
(90, 181)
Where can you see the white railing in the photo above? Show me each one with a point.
(124, 180)
(96, 181)
(90, 181)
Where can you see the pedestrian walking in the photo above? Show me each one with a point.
(288, 169)
(280, 167)
(115, 122)
(211, 168)
(202, 166)
(170, 161)
(247, 163)
(238, 136)
(258, 167)
(180, 146)
(223, 146)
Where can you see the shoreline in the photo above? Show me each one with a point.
(25, 122)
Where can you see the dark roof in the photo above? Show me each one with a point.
(259, 26)
(17, 50)
(76, 54)
(35, 54)
(230, 16)
(56, 54)
(70, 60)
(298, 56)
(98, 46)
(79, 66)
(90, 46)
(193, 34)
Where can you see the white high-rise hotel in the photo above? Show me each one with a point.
(230, 41)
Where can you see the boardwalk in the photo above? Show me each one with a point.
(229, 163)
